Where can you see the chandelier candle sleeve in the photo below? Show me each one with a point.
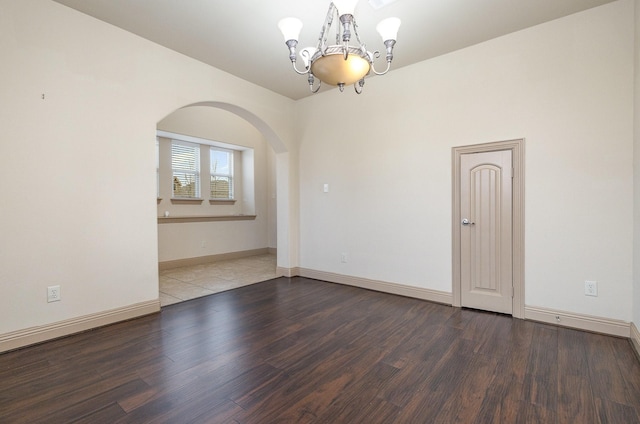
(290, 28)
(346, 9)
(388, 30)
(341, 63)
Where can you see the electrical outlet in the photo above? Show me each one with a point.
(203, 244)
(53, 294)
(590, 288)
(344, 257)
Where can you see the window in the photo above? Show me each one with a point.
(221, 173)
(192, 169)
(185, 164)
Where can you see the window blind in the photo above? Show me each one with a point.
(185, 163)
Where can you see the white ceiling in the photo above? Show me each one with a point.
(241, 36)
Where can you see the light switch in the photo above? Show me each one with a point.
(326, 188)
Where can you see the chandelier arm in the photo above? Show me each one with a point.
(359, 83)
(383, 72)
(306, 71)
(291, 45)
(317, 88)
(376, 55)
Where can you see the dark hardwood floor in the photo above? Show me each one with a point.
(304, 351)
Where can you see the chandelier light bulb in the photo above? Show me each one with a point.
(388, 29)
(290, 28)
(345, 7)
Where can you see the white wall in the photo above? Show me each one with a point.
(180, 240)
(79, 203)
(566, 86)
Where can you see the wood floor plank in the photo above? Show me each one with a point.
(305, 351)
(575, 397)
(541, 378)
(107, 414)
(629, 365)
(607, 380)
(362, 409)
(462, 403)
(501, 402)
(613, 412)
(93, 401)
(537, 414)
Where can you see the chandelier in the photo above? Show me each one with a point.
(341, 63)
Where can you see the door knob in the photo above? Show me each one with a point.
(467, 222)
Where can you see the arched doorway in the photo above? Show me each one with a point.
(202, 230)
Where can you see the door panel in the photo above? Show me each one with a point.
(486, 237)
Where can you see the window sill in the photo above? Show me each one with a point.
(186, 201)
(203, 218)
(222, 201)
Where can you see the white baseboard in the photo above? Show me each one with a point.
(550, 316)
(287, 272)
(381, 286)
(199, 260)
(33, 335)
(579, 321)
(635, 338)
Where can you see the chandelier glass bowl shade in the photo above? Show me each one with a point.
(344, 62)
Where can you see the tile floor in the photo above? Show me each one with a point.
(180, 284)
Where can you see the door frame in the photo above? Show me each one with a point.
(517, 154)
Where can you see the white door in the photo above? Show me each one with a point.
(486, 273)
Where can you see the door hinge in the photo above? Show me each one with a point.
(512, 292)
(513, 172)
